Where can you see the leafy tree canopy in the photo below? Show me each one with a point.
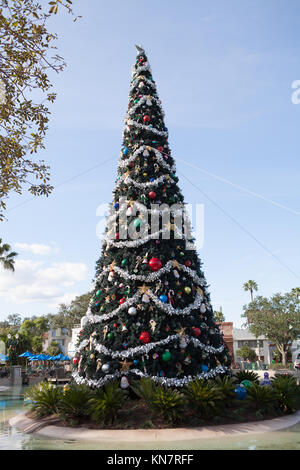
(278, 318)
(26, 60)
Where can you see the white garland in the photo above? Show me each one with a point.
(99, 318)
(170, 310)
(127, 180)
(124, 163)
(144, 79)
(141, 241)
(142, 100)
(169, 382)
(130, 122)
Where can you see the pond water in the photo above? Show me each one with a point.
(11, 403)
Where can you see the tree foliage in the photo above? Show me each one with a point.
(219, 316)
(70, 315)
(7, 257)
(26, 60)
(278, 318)
(246, 352)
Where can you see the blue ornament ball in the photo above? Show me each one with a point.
(204, 368)
(152, 179)
(125, 151)
(240, 392)
(163, 298)
(116, 206)
(136, 362)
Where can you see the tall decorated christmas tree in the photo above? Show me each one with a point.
(150, 313)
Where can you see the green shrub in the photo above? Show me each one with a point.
(226, 386)
(246, 375)
(279, 365)
(204, 396)
(287, 392)
(73, 404)
(106, 402)
(264, 399)
(44, 398)
(168, 403)
(145, 389)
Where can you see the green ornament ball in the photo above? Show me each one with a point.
(110, 335)
(137, 223)
(247, 383)
(98, 293)
(124, 262)
(167, 356)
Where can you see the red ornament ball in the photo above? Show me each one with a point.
(155, 264)
(117, 236)
(160, 148)
(152, 195)
(75, 360)
(144, 337)
(121, 301)
(188, 263)
(146, 118)
(196, 331)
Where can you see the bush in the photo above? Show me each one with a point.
(73, 404)
(246, 375)
(226, 386)
(264, 399)
(106, 402)
(44, 398)
(287, 392)
(204, 396)
(279, 365)
(167, 403)
(145, 389)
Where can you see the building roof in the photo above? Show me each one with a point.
(240, 334)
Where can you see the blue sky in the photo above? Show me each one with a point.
(224, 71)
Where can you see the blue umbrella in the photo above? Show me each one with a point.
(66, 358)
(26, 354)
(3, 358)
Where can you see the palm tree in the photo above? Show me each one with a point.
(6, 256)
(296, 292)
(250, 286)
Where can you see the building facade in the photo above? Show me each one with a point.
(260, 345)
(61, 335)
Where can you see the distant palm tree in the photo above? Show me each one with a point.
(296, 292)
(250, 286)
(7, 256)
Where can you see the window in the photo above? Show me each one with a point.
(252, 343)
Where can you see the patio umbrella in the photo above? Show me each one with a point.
(66, 358)
(26, 354)
(3, 358)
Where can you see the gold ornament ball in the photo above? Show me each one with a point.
(187, 290)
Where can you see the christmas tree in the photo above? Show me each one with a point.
(150, 313)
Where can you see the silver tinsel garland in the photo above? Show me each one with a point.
(124, 163)
(130, 122)
(169, 382)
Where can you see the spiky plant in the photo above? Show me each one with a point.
(73, 404)
(43, 398)
(203, 396)
(246, 375)
(106, 402)
(144, 388)
(264, 399)
(168, 403)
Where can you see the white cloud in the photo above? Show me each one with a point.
(35, 248)
(32, 281)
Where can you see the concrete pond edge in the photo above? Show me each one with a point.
(46, 428)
